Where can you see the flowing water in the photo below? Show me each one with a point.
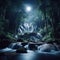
(31, 56)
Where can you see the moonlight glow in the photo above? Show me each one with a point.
(28, 8)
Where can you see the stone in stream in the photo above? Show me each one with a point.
(31, 47)
(18, 47)
(21, 50)
(24, 43)
(46, 48)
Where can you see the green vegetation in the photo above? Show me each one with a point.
(48, 11)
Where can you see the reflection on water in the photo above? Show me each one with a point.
(28, 56)
(31, 56)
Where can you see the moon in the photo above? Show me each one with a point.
(28, 8)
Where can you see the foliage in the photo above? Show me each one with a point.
(46, 16)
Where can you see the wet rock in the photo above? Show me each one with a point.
(31, 47)
(21, 50)
(24, 43)
(46, 48)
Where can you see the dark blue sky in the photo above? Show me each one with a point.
(25, 1)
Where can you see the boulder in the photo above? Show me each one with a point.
(46, 47)
(21, 50)
(31, 47)
(24, 43)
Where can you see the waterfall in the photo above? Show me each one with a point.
(26, 28)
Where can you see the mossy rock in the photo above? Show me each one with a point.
(21, 50)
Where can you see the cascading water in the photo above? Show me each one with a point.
(26, 28)
(31, 31)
